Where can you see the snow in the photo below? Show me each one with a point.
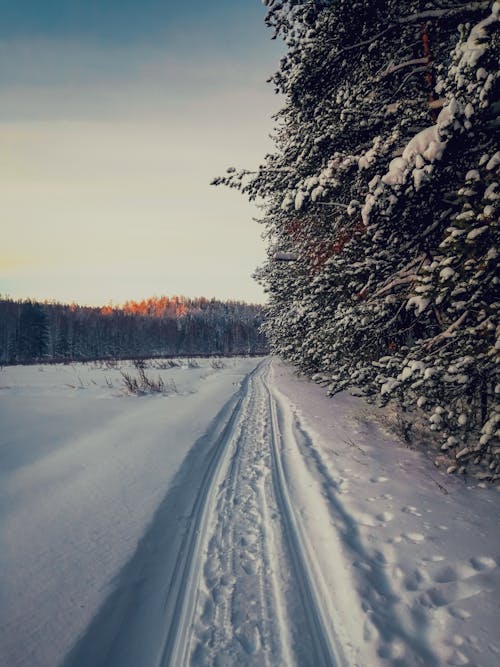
(419, 177)
(475, 47)
(317, 192)
(490, 193)
(83, 469)
(247, 519)
(472, 175)
(468, 113)
(422, 573)
(418, 156)
(446, 273)
(472, 235)
(425, 143)
(300, 198)
(368, 159)
(411, 368)
(288, 201)
(397, 168)
(419, 303)
(493, 162)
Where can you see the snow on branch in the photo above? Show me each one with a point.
(468, 8)
(397, 282)
(448, 333)
(402, 277)
(415, 61)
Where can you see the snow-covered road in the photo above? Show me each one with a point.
(253, 594)
(293, 532)
(239, 582)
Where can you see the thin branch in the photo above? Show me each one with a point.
(333, 203)
(406, 275)
(364, 113)
(407, 63)
(408, 76)
(281, 256)
(469, 8)
(448, 333)
(394, 283)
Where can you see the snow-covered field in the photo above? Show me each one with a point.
(241, 518)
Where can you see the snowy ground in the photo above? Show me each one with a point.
(243, 519)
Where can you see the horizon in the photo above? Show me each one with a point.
(122, 304)
(113, 122)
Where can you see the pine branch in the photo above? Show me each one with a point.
(448, 333)
(408, 63)
(402, 277)
(469, 8)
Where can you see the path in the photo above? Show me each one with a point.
(265, 559)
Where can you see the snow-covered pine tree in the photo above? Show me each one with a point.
(451, 367)
(382, 188)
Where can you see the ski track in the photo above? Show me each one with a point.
(273, 569)
(400, 643)
(183, 588)
(251, 590)
(307, 574)
(257, 590)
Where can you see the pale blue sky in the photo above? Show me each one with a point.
(114, 117)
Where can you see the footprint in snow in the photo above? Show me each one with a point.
(250, 567)
(415, 538)
(482, 563)
(461, 614)
(413, 581)
(445, 575)
(433, 559)
(457, 658)
(392, 651)
(249, 639)
(409, 509)
(366, 520)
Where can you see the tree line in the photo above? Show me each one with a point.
(177, 326)
(381, 210)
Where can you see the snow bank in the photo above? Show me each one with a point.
(83, 470)
(415, 569)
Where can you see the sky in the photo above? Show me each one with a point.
(114, 117)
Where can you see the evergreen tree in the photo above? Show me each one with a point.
(33, 332)
(382, 191)
(156, 327)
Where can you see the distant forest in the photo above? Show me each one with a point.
(176, 326)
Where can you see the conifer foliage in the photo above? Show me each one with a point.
(155, 327)
(382, 195)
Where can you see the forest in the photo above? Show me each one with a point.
(161, 326)
(381, 210)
